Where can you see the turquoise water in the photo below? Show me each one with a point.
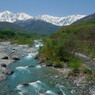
(42, 80)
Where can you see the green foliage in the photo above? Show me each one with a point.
(6, 26)
(58, 65)
(18, 37)
(87, 71)
(6, 34)
(75, 63)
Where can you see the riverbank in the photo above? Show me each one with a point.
(10, 53)
(83, 82)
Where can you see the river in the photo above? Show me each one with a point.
(41, 80)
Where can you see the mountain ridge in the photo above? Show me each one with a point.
(88, 19)
(8, 16)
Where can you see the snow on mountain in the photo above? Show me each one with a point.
(11, 17)
(59, 21)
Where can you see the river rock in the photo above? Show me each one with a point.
(36, 57)
(25, 84)
(48, 65)
(2, 77)
(15, 58)
(9, 72)
(56, 76)
(6, 57)
(3, 65)
(42, 91)
(31, 66)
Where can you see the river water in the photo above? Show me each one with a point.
(41, 80)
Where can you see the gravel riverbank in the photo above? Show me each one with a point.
(10, 53)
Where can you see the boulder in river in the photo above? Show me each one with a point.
(49, 65)
(3, 65)
(42, 91)
(36, 57)
(15, 58)
(6, 57)
(9, 72)
(25, 84)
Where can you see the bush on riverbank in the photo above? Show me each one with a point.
(87, 71)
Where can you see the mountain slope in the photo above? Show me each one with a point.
(59, 21)
(87, 19)
(10, 27)
(37, 26)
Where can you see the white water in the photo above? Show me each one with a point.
(38, 66)
(22, 68)
(35, 84)
(31, 55)
(37, 44)
(60, 87)
(50, 92)
(21, 88)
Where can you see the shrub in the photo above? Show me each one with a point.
(73, 74)
(75, 63)
(87, 71)
(58, 65)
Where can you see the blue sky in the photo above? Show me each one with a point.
(51, 7)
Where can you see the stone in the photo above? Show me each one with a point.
(3, 65)
(15, 58)
(56, 76)
(36, 57)
(42, 91)
(25, 84)
(48, 65)
(6, 57)
(2, 77)
(9, 72)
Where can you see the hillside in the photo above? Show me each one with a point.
(87, 19)
(10, 27)
(37, 26)
(63, 49)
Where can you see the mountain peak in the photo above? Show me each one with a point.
(8, 12)
(59, 21)
(12, 17)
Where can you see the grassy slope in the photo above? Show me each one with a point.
(73, 38)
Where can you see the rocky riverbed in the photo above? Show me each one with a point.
(85, 86)
(10, 53)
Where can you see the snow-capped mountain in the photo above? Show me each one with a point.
(11, 17)
(59, 21)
